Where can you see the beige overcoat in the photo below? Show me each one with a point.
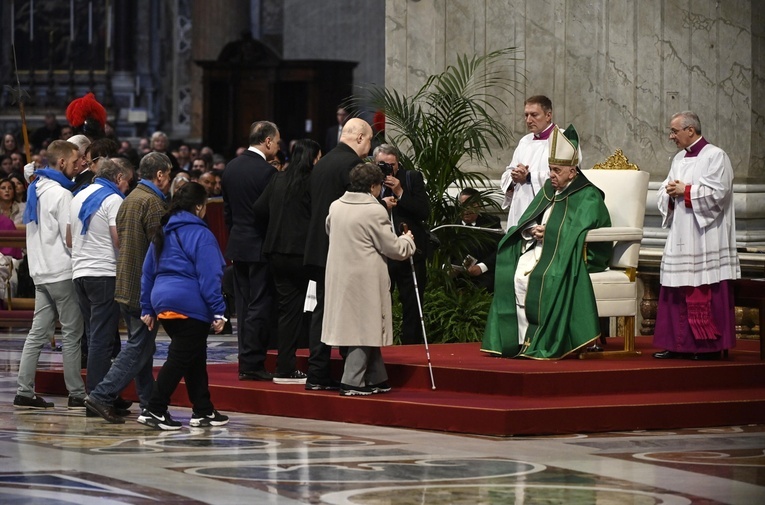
(357, 306)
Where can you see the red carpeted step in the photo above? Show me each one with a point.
(493, 396)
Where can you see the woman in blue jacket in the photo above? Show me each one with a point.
(181, 287)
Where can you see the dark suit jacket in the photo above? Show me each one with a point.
(486, 252)
(329, 181)
(413, 209)
(244, 179)
(330, 138)
(288, 216)
(83, 179)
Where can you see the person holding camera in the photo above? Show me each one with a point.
(407, 202)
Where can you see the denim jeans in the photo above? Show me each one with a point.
(101, 316)
(51, 299)
(135, 361)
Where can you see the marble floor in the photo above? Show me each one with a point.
(61, 457)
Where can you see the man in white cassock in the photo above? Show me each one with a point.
(528, 170)
(695, 318)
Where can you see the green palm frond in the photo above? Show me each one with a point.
(453, 119)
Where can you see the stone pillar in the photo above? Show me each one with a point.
(214, 24)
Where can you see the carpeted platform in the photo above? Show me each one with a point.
(484, 395)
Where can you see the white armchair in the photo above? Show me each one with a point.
(626, 188)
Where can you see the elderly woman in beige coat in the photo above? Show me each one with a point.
(357, 311)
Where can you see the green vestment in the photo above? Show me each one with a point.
(560, 303)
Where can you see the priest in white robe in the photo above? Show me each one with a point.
(695, 318)
(528, 170)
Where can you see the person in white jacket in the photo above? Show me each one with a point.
(50, 265)
(528, 170)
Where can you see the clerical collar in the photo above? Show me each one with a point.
(544, 134)
(694, 149)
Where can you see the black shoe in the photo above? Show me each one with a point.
(296, 377)
(158, 421)
(121, 403)
(75, 403)
(106, 412)
(382, 387)
(214, 419)
(256, 375)
(706, 356)
(35, 402)
(669, 355)
(322, 385)
(348, 390)
(118, 412)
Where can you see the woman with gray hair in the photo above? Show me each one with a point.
(161, 144)
(357, 310)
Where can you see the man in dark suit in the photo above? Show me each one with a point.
(484, 251)
(244, 179)
(329, 180)
(332, 138)
(405, 197)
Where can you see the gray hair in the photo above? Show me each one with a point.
(81, 141)
(110, 169)
(386, 149)
(152, 163)
(689, 119)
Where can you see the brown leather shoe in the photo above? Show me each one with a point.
(104, 411)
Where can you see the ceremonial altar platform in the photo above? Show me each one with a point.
(483, 395)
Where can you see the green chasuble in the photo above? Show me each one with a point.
(560, 302)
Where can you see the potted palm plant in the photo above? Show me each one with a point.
(447, 129)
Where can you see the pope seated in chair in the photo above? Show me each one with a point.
(544, 306)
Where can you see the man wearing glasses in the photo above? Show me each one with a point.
(695, 317)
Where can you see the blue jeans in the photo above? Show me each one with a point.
(56, 298)
(101, 315)
(135, 361)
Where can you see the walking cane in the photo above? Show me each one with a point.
(404, 229)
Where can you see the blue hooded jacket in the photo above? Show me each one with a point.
(187, 278)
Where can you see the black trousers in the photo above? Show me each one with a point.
(186, 359)
(254, 303)
(291, 282)
(401, 276)
(320, 353)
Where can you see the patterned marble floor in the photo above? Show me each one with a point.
(61, 457)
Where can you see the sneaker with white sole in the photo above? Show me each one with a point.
(382, 387)
(348, 390)
(214, 419)
(295, 377)
(158, 421)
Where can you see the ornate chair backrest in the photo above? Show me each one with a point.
(626, 189)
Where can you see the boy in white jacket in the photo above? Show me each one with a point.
(50, 265)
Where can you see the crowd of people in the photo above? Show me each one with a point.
(321, 238)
